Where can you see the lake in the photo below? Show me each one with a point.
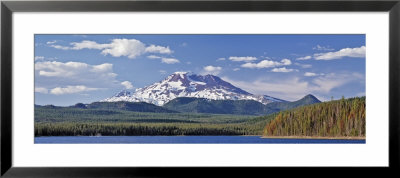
(184, 140)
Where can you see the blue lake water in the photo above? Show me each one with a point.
(185, 140)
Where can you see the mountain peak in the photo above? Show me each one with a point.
(185, 84)
(312, 98)
(180, 72)
(123, 93)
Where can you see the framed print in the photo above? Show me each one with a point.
(136, 88)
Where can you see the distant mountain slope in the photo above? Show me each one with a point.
(202, 105)
(242, 107)
(306, 100)
(339, 118)
(183, 84)
(127, 106)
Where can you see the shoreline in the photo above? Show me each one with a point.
(260, 136)
(314, 137)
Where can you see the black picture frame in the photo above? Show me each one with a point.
(8, 7)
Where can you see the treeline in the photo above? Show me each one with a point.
(339, 118)
(132, 129)
(96, 115)
(83, 122)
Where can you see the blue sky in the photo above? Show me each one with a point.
(87, 68)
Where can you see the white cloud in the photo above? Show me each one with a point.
(154, 57)
(86, 44)
(165, 60)
(169, 60)
(127, 84)
(41, 90)
(303, 65)
(124, 47)
(130, 48)
(60, 47)
(295, 88)
(236, 69)
(59, 69)
(330, 81)
(288, 89)
(261, 64)
(346, 52)
(71, 90)
(267, 64)
(53, 74)
(323, 48)
(310, 74)
(221, 59)
(286, 62)
(245, 59)
(102, 68)
(158, 49)
(304, 58)
(39, 58)
(282, 69)
(214, 70)
(162, 71)
(51, 42)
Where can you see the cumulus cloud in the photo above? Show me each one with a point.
(304, 58)
(41, 90)
(267, 64)
(214, 70)
(60, 47)
(73, 69)
(303, 65)
(86, 44)
(310, 74)
(221, 59)
(101, 68)
(39, 58)
(127, 84)
(71, 90)
(323, 48)
(154, 57)
(286, 62)
(130, 48)
(158, 49)
(245, 59)
(165, 59)
(124, 47)
(169, 60)
(282, 69)
(346, 52)
(54, 74)
(236, 69)
(294, 88)
(288, 89)
(325, 83)
(51, 42)
(59, 69)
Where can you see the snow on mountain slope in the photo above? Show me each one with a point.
(183, 84)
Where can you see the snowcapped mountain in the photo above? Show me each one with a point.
(183, 84)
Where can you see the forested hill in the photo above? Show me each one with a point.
(240, 107)
(339, 118)
(115, 106)
(202, 105)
